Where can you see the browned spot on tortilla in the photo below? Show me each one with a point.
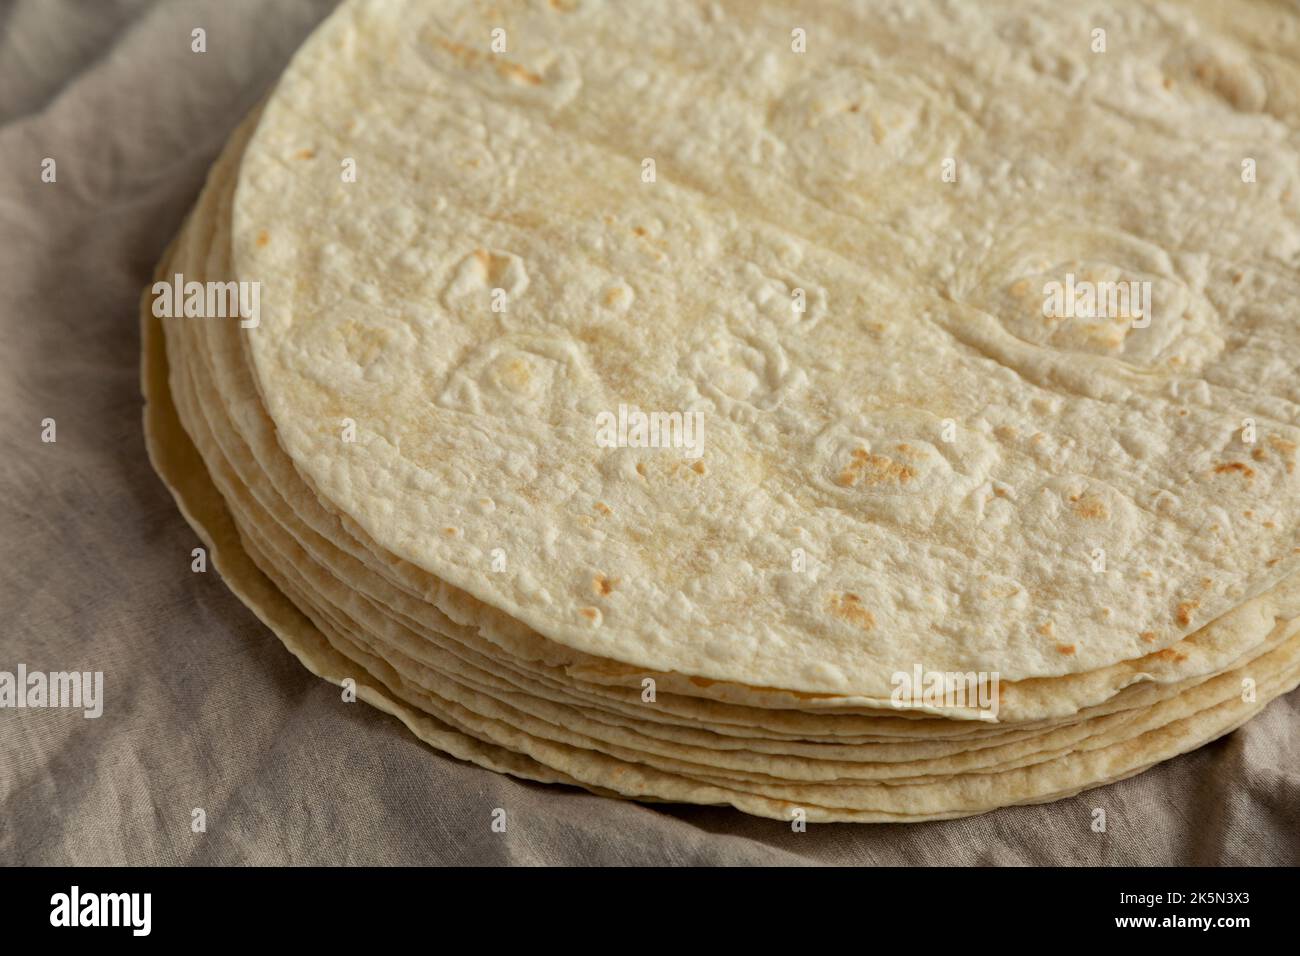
(460, 51)
(1286, 449)
(1237, 466)
(263, 238)
(472, 57)
(1259, 454)
(1237, 277)
(450, 531)
(640, 468)
(639, 230)
(1066, 649)
(515, 72)
(1248, 513)
(702, 682)
(1148, 636)
(1183, 613)
(848, 607)
(590, 613)
(604, 508)
(603, 585)
(1006, 433)
(1089, 506)
(306, 154)
(1046, 628)
(698, 468)
(873, 470)
(1169, 654)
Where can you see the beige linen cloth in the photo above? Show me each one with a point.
(204, 709)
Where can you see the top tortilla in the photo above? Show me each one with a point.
(824, 430)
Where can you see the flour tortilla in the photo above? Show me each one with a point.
(216, 350)
(279, 562)
(376, 311)
(213, 350)
(476, 682)
(1219, 643)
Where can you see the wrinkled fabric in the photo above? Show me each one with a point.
(204, 709)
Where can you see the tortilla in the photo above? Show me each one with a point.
(475, 428)
(374, 559)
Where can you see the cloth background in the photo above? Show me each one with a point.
(204, 707)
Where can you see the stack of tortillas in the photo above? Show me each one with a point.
(826, 235)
